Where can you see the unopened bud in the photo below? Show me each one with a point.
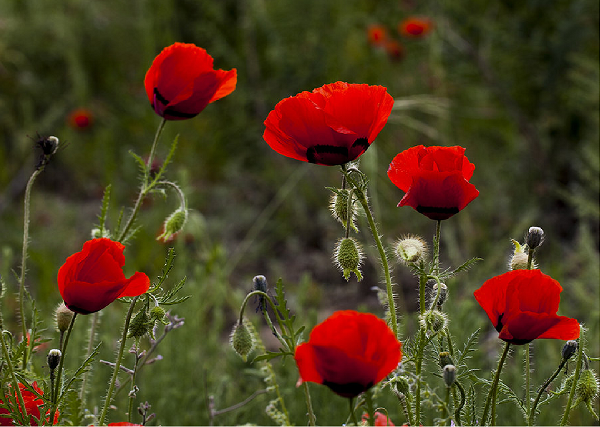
(242, 340)
(348, 257)
(433, 320)
(519, 258)
(140, 325)
(63, 317)
(411, 249)
(449, 374)
(158, 314)
(173, 224)
(99, 234)
(54, 356)
(340, 209)
(445, 359)
(569, 349)
(587, 386)
(535, 237)
(402, 385)
(443, 294)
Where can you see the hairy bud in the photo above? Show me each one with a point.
(535, 237)
(53, 358)
(569, 349)
(411, 249)
(587, 386)
(173, 224)
(63, 317)
(340, 209)
(348, 257)
(449, 374)
(242, 340)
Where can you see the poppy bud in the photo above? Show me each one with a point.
(535, 237)
(519, 258)
(173, 224)
(242, 340)
(54, 356)
(449, 374)
(158, 313)
(411, 249)
(402, 385)
(433, 320)
(569, 349)
(348, 257)
(445, 359)
(99, 234)
(63, 317)
(587, 386)
(339, 208)
(140, 325)
(443, 294)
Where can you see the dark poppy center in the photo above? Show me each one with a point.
(331, 155)
(436, 212)
(499, 326)
(347, 389)
(169, 112)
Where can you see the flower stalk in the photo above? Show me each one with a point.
(491, 398)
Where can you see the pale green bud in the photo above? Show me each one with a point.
(348, 257)
(173, 224)
(242, 340)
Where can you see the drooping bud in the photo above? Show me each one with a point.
(63, 317)
(449, 374)
(445, 359)
(341, 210)
(53, 358)
(173, 224)
(411, 249)
(519, 258)
(535, 237)
(242, 340)
(348, 257)
(443, 294)
(587, 386)
(569, 349)
(433, 320)
(140, 325)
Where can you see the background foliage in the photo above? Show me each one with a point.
(515, 82)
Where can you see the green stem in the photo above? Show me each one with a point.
(527, 376)
(436, 248)
(132, 392)
(461, 390)
(491, 398)
(311, 415)
(446, 412)
(565, 416)
(146, 187)
(117, 367)
(11, 373)
(352, 413)
(370, 407)
(59, 372)
(419, 365)
(26, 216)
(531, 417)
(90, 347)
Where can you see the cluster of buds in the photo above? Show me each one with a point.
(519, 260)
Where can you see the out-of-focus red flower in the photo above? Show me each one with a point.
(435, 179)
(181, 82)
(415, 27)
(32, 406)
(123, 423)
(81, 118)
(331, 125)
(522, 306)
(394, 49)
(380, 420)
(349, 353)
(377, 34)
(93, 278)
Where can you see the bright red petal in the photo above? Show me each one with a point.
(227, 83)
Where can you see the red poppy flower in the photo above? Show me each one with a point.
(522, 306)
(435, 179)
(81, 118)
(394, 49)
(93, 278)
(380, 420)
(377, 34)
(32, 405)
(349, 352)
(181, 82)
(415, 27)
(331, 125)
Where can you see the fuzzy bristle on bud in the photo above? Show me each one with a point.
(348, 257)
(411, 249)
(173, 224)
(140, 325)
(242, 340)
(587, 386)
(63, 317)
(434, 294)
(341, 210)
(433, 320)
(535, 237)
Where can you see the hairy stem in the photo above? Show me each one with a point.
(491, 398)
(59, 373)
(565, 416)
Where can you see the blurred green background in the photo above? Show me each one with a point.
(514, 82)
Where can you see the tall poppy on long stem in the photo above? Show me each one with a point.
(349, 353)
(331, 125)
(435, 179)
(522, 306)
(91, 279)
(182, 81)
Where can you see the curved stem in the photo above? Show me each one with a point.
(491, 398)
(531, 417)
(461, 404)
(117, 367)
(26, 215)
(145, 186)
